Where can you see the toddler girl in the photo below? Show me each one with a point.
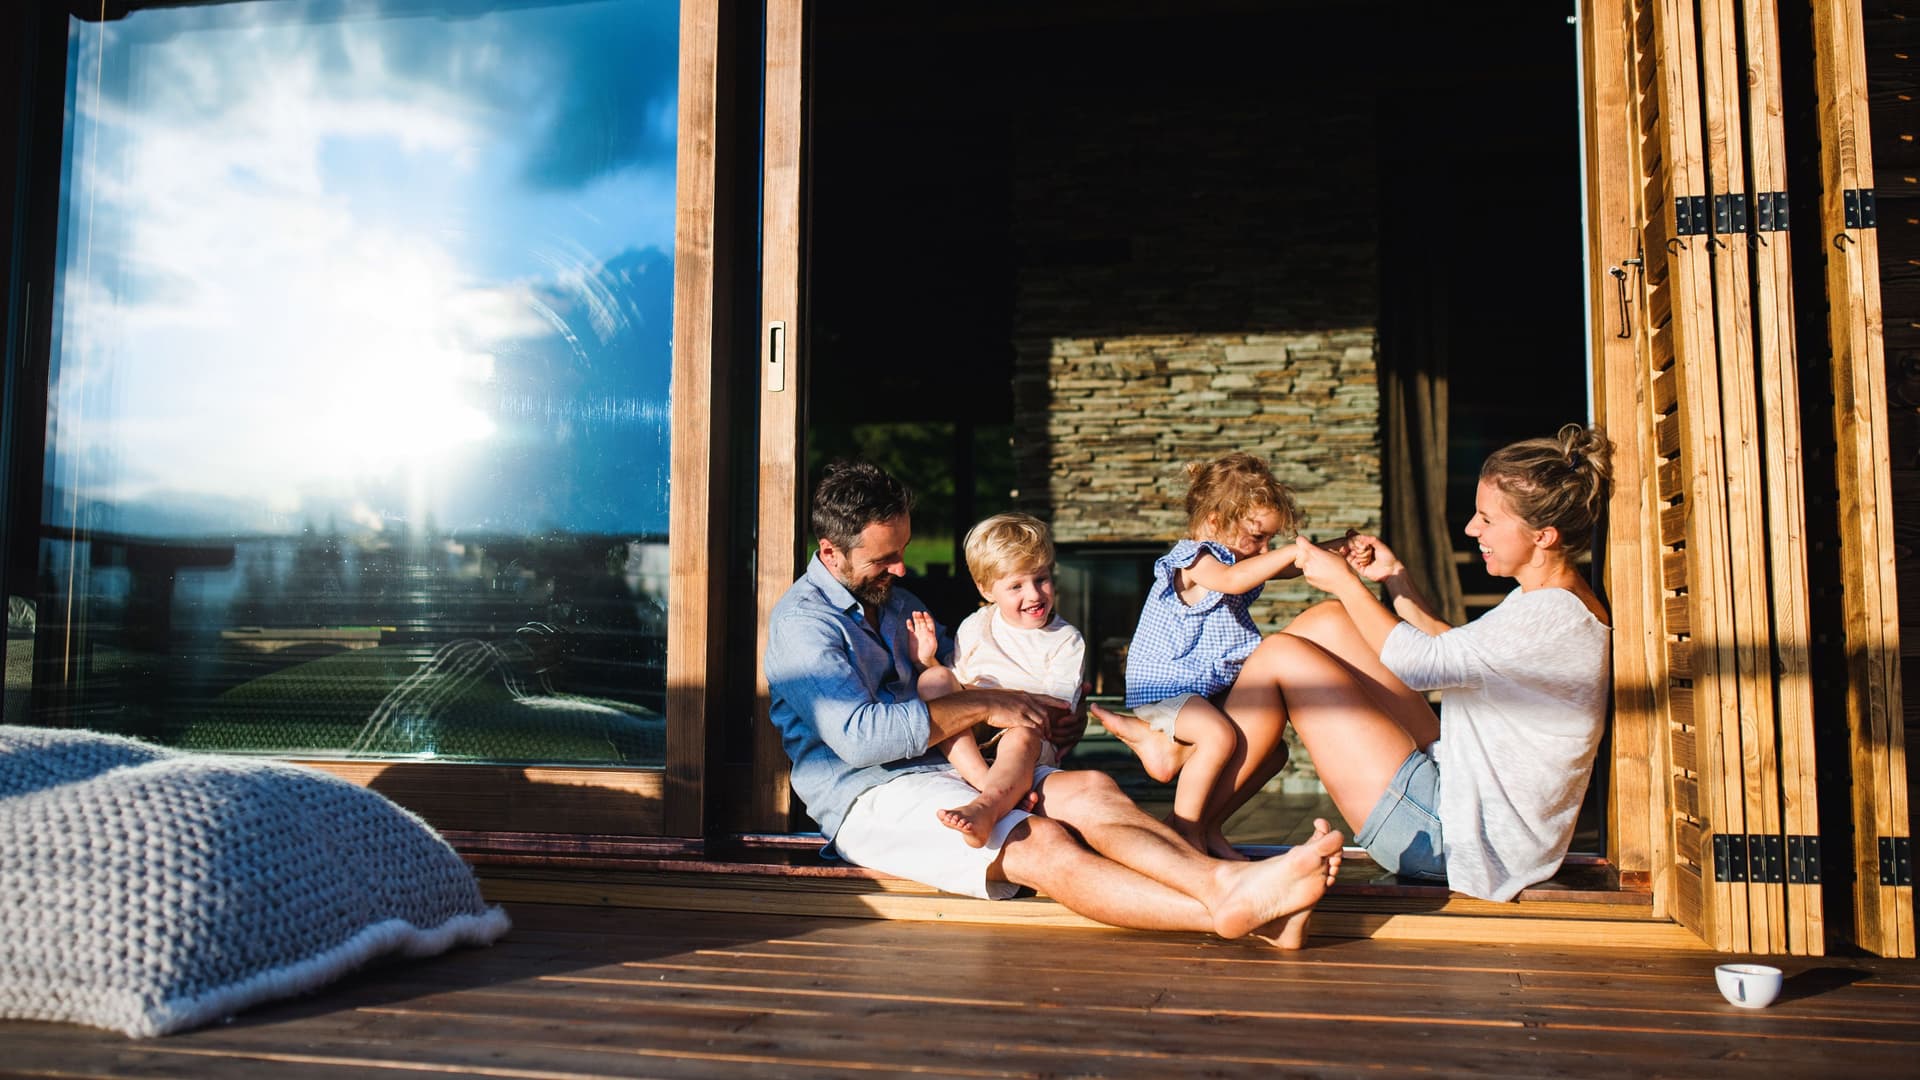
(1194, 632)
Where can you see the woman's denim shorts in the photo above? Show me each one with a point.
(1402, 832)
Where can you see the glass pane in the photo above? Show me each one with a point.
(358, 422)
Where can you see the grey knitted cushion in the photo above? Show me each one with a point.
(149, 891)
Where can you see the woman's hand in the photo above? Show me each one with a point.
(1372, 559)
(1323, 569)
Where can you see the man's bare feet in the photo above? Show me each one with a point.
(1259, 895)
(1290, 931)
(1160, 755)
(974, 822)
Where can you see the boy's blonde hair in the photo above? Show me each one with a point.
(1007, 544)
(1230, 488)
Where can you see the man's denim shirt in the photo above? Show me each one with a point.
(843, 694)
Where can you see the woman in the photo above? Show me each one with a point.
(1484, 795)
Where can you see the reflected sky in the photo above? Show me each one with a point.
(367, 265)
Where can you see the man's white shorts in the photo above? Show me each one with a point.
(892, 828)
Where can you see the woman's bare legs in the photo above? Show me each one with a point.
(1356, 744)
(1263, 750)
(1328, 625)
(1197, 755)
(1355, 717)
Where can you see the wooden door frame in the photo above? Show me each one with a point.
(783, 378)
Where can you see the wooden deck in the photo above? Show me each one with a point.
(578, 991)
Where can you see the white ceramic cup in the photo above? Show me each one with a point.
(1750, 986)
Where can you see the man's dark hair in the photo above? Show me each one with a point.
(852, 495)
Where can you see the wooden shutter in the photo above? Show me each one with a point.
(1883, 918)
(1770, 259)
(1710, 674)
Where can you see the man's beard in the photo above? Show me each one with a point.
(874, 592)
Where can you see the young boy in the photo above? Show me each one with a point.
(1016, 642)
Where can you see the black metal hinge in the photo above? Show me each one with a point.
(1770, 211)
(1730, 213)
(1766, 858)
(1858, 204)
(1690, 215)
(1896, 860)
(1803, 860)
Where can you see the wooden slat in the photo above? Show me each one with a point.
(1680, 658)
(1667, 435)
(1775, 346)
(1638, 841)
(1683, 756)
(1673, 569)
(1686, 797)
(1690, 842)
(1714, 664)
(1673, 529)
(1672, 480)
(1742, 502)
(1884, 914)
(1666, 392)
(1682, 705)
(782, 484)
(1676, 614)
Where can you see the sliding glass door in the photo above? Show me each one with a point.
(361, 415)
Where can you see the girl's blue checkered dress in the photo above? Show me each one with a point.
(1179, 649)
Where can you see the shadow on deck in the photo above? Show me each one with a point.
(584, 991)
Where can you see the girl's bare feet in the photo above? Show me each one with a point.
(1220, 847)
(1162, 756)
(973, 821)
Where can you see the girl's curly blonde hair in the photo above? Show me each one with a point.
(1227, 489)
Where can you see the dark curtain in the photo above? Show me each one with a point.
(1416, 273)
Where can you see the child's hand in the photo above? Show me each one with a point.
(1372, 559)
(926, 639)
(1323, 569)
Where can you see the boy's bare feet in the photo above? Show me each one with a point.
(974, 822)
(1272, 895)
(1160, 755)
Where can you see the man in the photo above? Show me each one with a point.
(841, 675)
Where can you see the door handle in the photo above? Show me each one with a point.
(776, 357)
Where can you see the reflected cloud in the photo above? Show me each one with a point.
(318, 257)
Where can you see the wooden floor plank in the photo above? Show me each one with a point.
(590, 991)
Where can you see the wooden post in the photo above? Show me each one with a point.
(1630, 564)
(1883, 921)
(696, 601)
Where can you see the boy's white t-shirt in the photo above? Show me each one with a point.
(1523, 704)
(990, 653)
